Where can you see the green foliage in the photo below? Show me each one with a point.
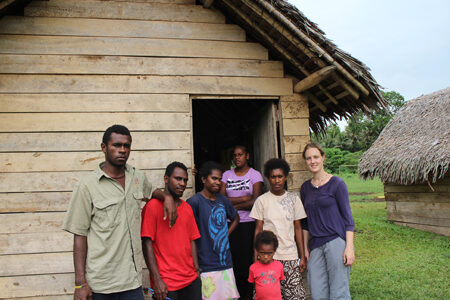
(396, 262)
(336, 157)
(362, 129)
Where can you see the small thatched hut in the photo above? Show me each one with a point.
(412, 158)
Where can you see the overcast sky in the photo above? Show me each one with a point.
(406, 43)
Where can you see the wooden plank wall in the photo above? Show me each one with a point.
(68, 70)
(294, 137)
(419, 207)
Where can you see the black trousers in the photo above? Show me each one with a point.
(190, 292)
(241, 246)
(135, 294)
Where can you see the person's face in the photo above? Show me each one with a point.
(277, 179)
(213, 182)
(314, 160)
(240, 157)
(265, 253)
(176, 183)
(117, 150)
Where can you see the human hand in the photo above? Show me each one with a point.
(349, 256)
(83, 293)
(170, 209)
(302, 265)
(306, 254)
(160, 289)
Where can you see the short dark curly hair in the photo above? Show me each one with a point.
(276, 163)
(120, 129)
(266, 237)
(207, 168)
(171, 167)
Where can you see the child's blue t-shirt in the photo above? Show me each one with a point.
(213, 248)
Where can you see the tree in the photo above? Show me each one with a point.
(363, 128)
(336, 157)
(331, 138)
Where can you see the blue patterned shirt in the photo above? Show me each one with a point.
(213, 248)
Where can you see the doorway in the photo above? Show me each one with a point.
(220, 124)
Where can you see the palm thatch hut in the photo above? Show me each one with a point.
(412, 157)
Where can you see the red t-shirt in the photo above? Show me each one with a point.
(267, 280)
(172, 246)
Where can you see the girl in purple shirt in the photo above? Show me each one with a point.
(328, 229)
(242, 185)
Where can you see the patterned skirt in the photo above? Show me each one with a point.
(292, 287)
(219, 285)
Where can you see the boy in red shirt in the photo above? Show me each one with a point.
(266, 272)
(170, 252)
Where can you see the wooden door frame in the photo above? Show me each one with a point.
(233, 97)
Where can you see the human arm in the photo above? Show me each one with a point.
(236, 201)
(195, 257)
(233, 224)
(79, 260)
(343, 203)
(258, 228)
(349, 252)
(246, 202)
(251, 275)
(300, 244)
(231, 214)
(170, 209)
(306, 238)
(78, 221)
(223, 188)
(159, 285)
(304, 223)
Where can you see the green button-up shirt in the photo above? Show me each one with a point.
(110, 217)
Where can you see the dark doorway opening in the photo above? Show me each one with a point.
(219, 125)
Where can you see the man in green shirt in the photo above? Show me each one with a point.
(105, 217)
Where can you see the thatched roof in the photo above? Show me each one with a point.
(304, 49)
(291, 37)
(415, 145)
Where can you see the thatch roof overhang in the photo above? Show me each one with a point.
(414, 147)
(12, 6)
(337, 84)
(305, 51)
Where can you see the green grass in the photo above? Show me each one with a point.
(393, 262)
(357, 185)
(396, 262)
(361, 190)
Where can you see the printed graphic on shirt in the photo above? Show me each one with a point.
(268, 277)
(288, 203)
(218, 230)
(238, 184)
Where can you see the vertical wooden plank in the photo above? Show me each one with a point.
(265, 137)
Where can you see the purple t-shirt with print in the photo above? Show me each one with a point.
(238, 186)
